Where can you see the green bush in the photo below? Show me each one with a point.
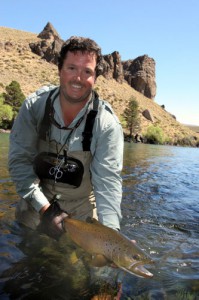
(154, 135)
(10, 103)
(122, 121)
(14, 96)
(6, 114)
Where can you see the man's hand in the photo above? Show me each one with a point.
(52, 217)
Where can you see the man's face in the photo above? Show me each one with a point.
(77, 76)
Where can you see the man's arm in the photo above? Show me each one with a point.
(22, 151)
(106, 174)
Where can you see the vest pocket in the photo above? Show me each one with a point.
(60, 168)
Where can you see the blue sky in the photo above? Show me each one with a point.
(166, 30)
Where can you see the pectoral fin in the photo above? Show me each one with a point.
(99, 260)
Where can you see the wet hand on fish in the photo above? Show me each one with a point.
(52, 221)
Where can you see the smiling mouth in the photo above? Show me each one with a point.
(76, 85)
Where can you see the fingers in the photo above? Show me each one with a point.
(57, 221)
(63, 215)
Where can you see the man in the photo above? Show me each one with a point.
(67, 145)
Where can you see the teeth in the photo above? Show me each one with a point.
(76, 86)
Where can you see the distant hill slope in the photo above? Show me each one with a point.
(193, 127)
(17, 62)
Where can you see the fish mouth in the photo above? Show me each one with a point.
(139, 270)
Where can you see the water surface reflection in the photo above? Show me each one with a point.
(160, 210)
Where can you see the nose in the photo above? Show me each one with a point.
(78, 75)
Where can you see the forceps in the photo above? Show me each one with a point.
(56, 170)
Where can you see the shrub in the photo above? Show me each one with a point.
(154, 135)
(130, 116)
(6, 114)
(10, 103)
(14, 96)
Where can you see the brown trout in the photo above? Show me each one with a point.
(98, 240)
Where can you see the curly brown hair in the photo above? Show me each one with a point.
(77, 43)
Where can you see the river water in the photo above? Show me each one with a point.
(160, 211)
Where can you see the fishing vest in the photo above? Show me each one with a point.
(87, 133)
(74, 186)
(63, 168)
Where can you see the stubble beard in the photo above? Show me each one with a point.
(72, 100)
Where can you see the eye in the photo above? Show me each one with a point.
(69, 68)
(89, 72)
(136, 256)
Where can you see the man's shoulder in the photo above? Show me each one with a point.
(103, 104)
(106, 111)
(40, 93)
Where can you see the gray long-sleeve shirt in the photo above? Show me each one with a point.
(106, 150)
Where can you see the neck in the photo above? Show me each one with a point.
(70, 110)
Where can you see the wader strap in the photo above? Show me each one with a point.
(45, 123)
(88, 130)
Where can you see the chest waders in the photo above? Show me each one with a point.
(63, 172)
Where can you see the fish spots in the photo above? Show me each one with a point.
(99, 240)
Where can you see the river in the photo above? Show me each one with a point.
(160, 211)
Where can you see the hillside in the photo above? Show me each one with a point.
(18, 63)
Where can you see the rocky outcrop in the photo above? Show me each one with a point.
(140, 74)
(148, 115)
(112, 67)
(49, 33)
(50, 44)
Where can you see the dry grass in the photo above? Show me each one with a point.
(20, 64)
(118, 95)
(15, 35)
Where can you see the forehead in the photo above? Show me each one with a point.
(84, 56)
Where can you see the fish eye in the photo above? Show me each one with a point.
(136, 256)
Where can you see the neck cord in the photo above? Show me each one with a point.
(71, 132)
(55, 123)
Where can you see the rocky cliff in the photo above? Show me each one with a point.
(19, 63)
(139, 72)
(50, 44)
